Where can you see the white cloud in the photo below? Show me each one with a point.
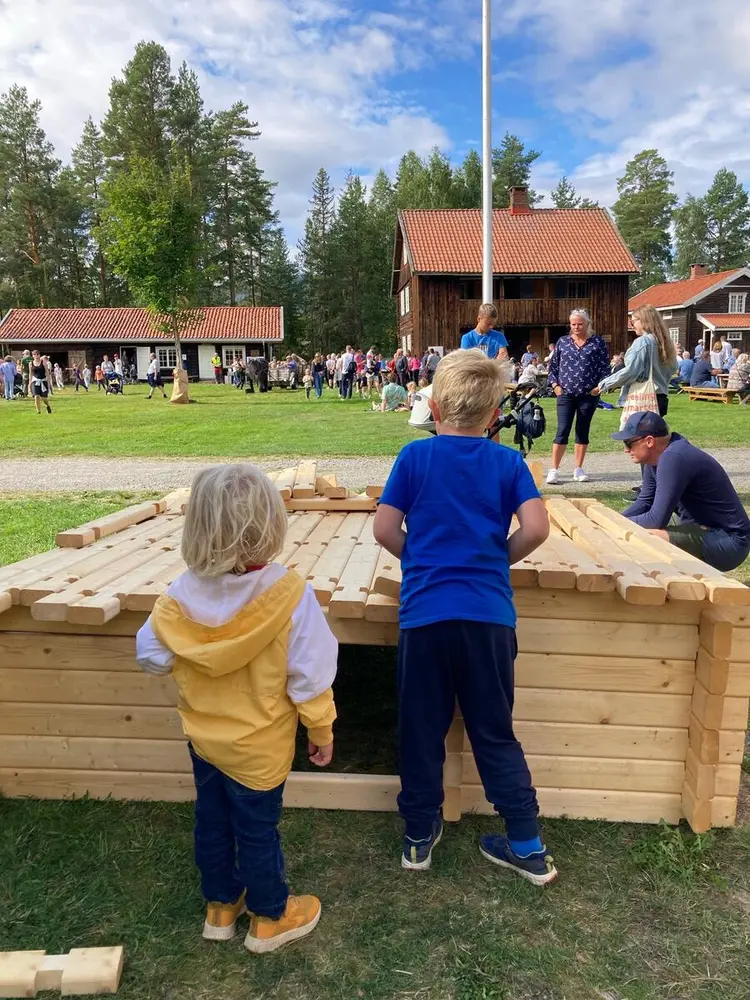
(634, 74)
(314, 74)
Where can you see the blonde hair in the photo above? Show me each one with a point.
(411, 386)
(716, 345)
(235, 518)
(488, 309)
(467, 386)
(654, 324)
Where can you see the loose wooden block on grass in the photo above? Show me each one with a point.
(82, 972)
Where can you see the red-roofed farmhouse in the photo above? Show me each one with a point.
(546, 262)
(703, 307)
(75, 336)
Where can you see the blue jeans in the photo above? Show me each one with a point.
(471, 661)
(318, 383)
(237, 843)
(346, 385)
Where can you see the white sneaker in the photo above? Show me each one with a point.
(552, 477)
(580, 476)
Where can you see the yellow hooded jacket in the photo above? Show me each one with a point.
(232, 682)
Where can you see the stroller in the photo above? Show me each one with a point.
(18, 385)
(525, 414)
(113, 383)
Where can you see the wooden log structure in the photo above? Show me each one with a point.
(632, 679)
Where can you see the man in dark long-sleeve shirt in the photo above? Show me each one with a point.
(680, 479)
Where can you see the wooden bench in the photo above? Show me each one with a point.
(712, 394)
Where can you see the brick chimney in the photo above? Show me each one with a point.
(519, 200)
(698, 270)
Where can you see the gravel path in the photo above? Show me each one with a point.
(54, 475)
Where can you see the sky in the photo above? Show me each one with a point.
(352, 84)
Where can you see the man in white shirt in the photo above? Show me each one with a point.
(726, 354)
(154, 376)
(347, 377)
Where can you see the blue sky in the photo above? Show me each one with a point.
(352, 84)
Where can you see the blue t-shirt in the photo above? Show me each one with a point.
(490, 342)
(458, 495)
(686, 368)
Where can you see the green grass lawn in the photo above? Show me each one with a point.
(226, 423)
(639, 913)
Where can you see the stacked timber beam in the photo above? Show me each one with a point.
(633, 674)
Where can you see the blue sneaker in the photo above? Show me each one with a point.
(417, 854)
(537, 868)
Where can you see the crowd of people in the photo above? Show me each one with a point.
(34, 375)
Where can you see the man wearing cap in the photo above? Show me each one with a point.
(680, 479)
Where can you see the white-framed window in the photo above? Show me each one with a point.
(737, 302)
(674, 334)
(405, 299)
(167, 357)
(232, 354)
(735, 336)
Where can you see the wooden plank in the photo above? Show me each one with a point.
(604, 708)
(176, 501)
(109, 602)
(374, 491)
(33, 719)
(610, 673)
(91, 970)
(591, 576)
(728, 779)
(716, 633)
(574, 605)
(361, 632)
(552, 572)
(740, 645)
(350, 596)
(323, 503)
(326, 486)
(700, 777)
(712, 671)
(524, 574)
(379, 608)
(144, 597)
(6, 601)
(633, 585)
(712, 746)
(112, 523)
(587, 803)
(324, 576)
(367, 535)
(18, 972)
(716, 711)
(86, 687)
(27, 651)
(95, 753)
(285, 482)
(303, 526)
(723, 811)
(304, 482)
(553, 771)
(387, 578)
(579, 740)
(535, 635)
(696, 811)
(18, 619)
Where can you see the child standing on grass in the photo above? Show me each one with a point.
(99, 377)
(457, 493)
(307, 381)
(251, 653)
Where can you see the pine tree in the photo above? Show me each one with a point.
(317, 265)
(412, 182)
(728, 222)
(350, 259)
(565, 196)
(70, 274)
(380, 309)
(138, 123)
(440, 180)
(89, 166)
(643, 213)
(690, 235)
(29, 170)
(257, 222)
(511, 167)
(280, 286)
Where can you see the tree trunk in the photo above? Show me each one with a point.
(180, 381)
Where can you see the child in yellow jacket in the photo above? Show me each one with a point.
(251, 653)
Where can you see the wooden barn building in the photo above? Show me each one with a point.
(75, 336)
(703, 307)
(546, 261)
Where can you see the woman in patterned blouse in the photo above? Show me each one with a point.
(579, 362)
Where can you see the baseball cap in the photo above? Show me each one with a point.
(642, 424)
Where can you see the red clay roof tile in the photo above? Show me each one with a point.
(131, 324)
(542, 241)
(675, 293)
(727, 321)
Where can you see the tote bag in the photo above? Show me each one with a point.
(641, 395)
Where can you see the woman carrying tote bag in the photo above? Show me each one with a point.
(650, 363)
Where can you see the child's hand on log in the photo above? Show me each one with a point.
(321, 756)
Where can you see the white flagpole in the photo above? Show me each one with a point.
(486, 152)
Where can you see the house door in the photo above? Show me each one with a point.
(142, 361)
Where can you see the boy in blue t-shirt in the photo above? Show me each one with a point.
(457, 493)
(490, 341)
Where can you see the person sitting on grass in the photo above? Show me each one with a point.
(457, 493)
(251, 653)
(394, 396)
(680, 479)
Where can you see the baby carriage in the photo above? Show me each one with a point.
(18, 385)
(113, 383)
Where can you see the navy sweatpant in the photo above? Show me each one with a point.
(471, 662)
